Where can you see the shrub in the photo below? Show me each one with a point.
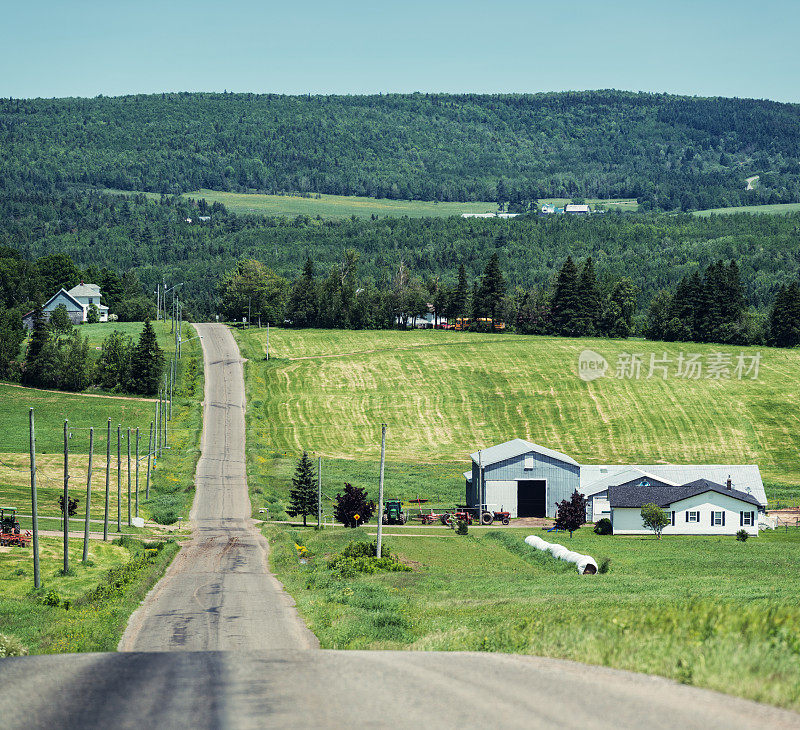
(462, 527)
(51, 598)
(348, 567)
(742, 535)
(603, 527)
(363, 549)
(604, 566)
(11, 646)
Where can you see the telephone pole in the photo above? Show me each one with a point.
(149, 458)
(108, 479)
(34, 506)
(137, 471)
(66, 497)
(380, 491)
(85, 556)
(129, 476)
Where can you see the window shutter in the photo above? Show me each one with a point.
(687, 515)
(712, 518)
(741, 518)
(723, 518)
(672, 518)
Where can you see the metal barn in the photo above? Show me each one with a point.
(523, 478)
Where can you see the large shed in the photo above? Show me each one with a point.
(521, 477)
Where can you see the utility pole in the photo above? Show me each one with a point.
(165, 410)
(267, 339)
(108, 479)
(34, 506)
(158, 423)
(137, 471)
(88, 497)
(319, 492)
(66, 497)
(119, 479)
(380, 491)
(129, 476)
(149, 458)
(171, 384)
(158, 301)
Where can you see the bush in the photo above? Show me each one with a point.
(462, 527)
(604, 566)
(365, 549)
(11, 646)
(603, 527)
(348, 567)
(742, 535)
(51, 598)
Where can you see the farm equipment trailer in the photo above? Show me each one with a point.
(10, 533)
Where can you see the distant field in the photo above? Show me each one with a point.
(446, 394)
(780, 208)
(337, 206)
(623, 204)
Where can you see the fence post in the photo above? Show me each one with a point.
(88, 497)
(34, 506)
(66, 497)
(108, 479)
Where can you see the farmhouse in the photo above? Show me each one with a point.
(529, 480)
(77, 301)
(698, 508)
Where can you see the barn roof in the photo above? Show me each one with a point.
(626, 474)
(745, 478)
(518, 447)
(66, 295)
(636, 496)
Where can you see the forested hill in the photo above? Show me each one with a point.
(669, 152)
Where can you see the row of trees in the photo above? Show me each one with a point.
(59, 357)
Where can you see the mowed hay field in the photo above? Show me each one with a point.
(447, 394)
(772, 209)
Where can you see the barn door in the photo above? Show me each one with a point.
(531, 498)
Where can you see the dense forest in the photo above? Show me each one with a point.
(669, 152)
(144, 241)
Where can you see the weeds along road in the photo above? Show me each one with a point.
(218, 644)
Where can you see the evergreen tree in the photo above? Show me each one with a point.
(620, 306)
(147, 362)
(492, 288)
(566, 307)
(60, 321)
(302, 308)
(784, 318)
(591, 306)
(303, 495)
(113, 365)
(461, 293)
(40, 337)
(75, 367)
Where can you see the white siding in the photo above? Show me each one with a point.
(628, 520)
(502, 495)
(600, 508)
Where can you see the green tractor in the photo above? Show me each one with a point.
(393, 513)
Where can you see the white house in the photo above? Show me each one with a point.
(698, 508)
(88, 295)
(76, 301)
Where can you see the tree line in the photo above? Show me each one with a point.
(669, 152)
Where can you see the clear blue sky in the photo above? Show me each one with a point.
(704, 47)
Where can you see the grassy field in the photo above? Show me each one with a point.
(776, 209)
(446, 394)
(707, 611)
(626, 205)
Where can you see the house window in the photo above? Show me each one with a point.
(91, 301)
(529, 462)
(718, 518)
(747, 519)
(693, 516)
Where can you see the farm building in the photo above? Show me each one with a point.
(698, 508)
(529, 480)
(577, 209)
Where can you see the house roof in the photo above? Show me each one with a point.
(517, 447)
(636, 496)
(85, 290)
(67, 295)
(576, 208)
(627, 474)
(746, 478)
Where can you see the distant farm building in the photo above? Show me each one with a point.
(577, 209)
(529, 480)
(77, 301)
(489, 215)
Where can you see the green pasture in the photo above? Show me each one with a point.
(447, 394)
(706, 611)
(774, 209)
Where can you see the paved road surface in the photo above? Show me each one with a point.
(218, 594)
(264, 670)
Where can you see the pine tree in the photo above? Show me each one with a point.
(591, 307)
(40, 337)
(303, 305)
(784, 318)
(461, 293)
(147, 362)
(303, 496)
(492, 288)
(566, 307)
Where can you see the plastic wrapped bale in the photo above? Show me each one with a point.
(585, 563)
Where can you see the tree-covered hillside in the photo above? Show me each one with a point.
(152, 240)
(670, 152)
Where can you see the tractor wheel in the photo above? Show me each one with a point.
(445, 519)
(385, 520)
(487, 518)
(403, 519)
(506, 520)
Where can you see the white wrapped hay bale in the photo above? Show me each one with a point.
(585, 563)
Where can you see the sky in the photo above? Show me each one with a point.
(705, 47)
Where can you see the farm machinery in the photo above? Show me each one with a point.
(10, 533)
(393, 513)
(466, 514)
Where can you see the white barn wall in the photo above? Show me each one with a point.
(628, 520)
(502, 495)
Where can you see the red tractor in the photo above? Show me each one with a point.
(10, 533)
